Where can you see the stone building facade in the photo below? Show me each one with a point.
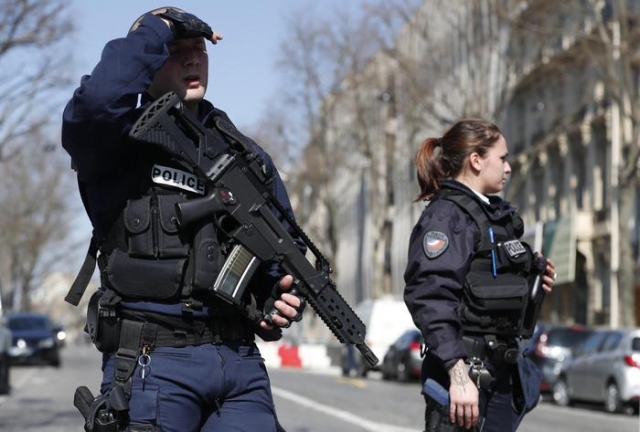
(563, 127)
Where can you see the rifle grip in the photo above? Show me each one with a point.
(192, 210)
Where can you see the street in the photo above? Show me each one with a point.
(42, 397)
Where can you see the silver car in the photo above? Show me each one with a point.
(605, 369)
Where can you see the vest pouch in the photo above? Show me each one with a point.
(151, 227)
(514, 254)
(137, 223)
(151, 279)
(171, 242)
(208, 258)
(503, 294)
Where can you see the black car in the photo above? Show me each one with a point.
(551, 347)
(402, 360)
(33, 339)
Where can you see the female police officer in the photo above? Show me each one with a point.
(185, 360)
(468, 277)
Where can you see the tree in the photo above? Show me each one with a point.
(35, 222)
(448, 68)
(32, 55)
(331, 70)
(32, 61)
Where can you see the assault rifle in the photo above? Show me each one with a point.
(240, 201)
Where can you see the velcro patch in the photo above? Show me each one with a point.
(177, 178)
(434, 244)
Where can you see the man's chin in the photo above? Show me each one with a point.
(194, 94)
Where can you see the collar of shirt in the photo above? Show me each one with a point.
(484, 198)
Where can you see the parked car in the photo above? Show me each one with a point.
(605, 369)
(551, 348)
(402, 360)
(386, 319)
(33, 339)
(61, 334)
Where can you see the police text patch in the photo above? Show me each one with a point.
(514, 248)
(434, 244)
(176, 178)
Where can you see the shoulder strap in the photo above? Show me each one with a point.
(85, 274)
(474, 209)
(81, 282)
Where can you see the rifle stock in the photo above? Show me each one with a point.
(242, 204)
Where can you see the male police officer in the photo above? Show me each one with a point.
(180, 359)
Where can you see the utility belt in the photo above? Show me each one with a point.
(481, 349)
(174, 333)
(492, 349)
(105, 321)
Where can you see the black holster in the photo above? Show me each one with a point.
(109, 412)
(97, 415)
(103, 325)
(437, 420)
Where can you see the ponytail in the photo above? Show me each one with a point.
(429, 169)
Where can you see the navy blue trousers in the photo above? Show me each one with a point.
(495, 403)
(205, 388)
(514, 392)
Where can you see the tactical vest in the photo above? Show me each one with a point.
(496, 294)
(153, 258)
(144, 253)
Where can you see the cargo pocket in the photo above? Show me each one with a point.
(207, 258)
(143, 406)
(503, 294)
(137, 222)
(145, 278)
(171, 242)
(152, 228)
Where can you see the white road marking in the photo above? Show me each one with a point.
(334, 412)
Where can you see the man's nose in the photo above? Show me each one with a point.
(191, 57)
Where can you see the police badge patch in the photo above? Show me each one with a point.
(434, 244)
